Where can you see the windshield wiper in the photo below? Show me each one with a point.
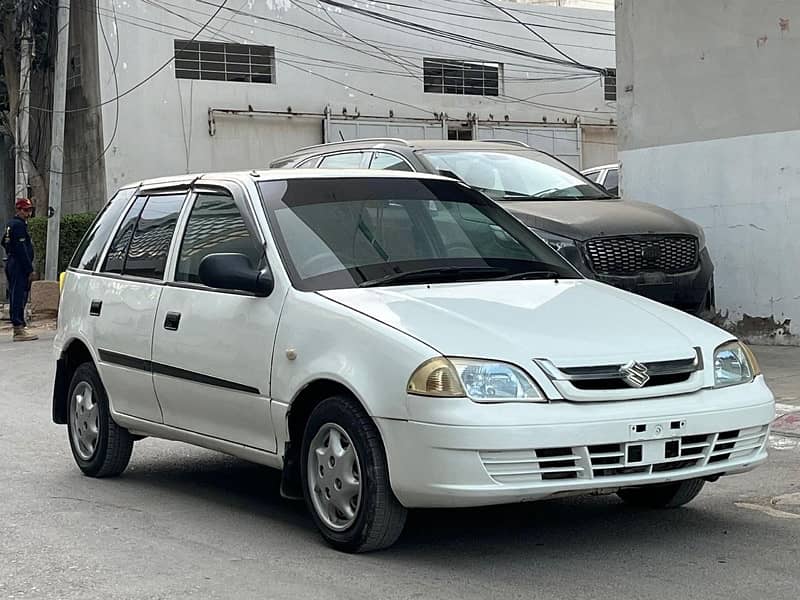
(530, 275)
(433, 274)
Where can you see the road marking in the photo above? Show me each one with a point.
(792, 499)
(788, 424)
(768, 510)
(779, 442)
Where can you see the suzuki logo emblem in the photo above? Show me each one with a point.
(634, 374)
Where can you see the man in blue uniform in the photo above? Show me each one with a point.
(19, 266)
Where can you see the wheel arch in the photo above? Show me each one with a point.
(300, 409)
(74, 353)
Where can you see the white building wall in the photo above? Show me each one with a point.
(163, 125)
(745, 192)
(709, 127)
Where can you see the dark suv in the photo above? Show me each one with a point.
(634, 246)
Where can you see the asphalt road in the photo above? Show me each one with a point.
(184, 522)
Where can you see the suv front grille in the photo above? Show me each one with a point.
(630, 255)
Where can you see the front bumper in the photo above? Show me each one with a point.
(566, 448)
(692, 291)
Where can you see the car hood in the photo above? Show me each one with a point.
(570, 322)
(585, 219)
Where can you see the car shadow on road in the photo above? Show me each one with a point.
(576, 526)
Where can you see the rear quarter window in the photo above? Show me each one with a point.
(88, 252)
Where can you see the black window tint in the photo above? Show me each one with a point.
(215, 225)
(115, 259)
(347, 160)
(612, 181)
(92, 244)
(388, 162)
(147, 255)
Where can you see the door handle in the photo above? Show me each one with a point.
(172, 321)
(95, 307)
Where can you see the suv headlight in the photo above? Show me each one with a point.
(565, 246)
(734, 363)
(479, 380)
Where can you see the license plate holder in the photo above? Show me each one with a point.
(651, 452)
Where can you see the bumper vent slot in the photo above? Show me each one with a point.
(519, 466)
(615, 459)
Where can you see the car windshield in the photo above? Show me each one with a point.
(515, 175)
(336, 233)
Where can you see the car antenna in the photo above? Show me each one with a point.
(341, 135)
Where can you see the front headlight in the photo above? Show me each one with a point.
(734, 363)
(479, 380)
(557, 242)
(701, 238)
(564, 246)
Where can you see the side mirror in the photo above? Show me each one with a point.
(235, 272)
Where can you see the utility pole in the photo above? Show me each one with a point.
(57, 143)
(22, 147)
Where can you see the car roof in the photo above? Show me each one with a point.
(281, 174)
(601, 167)
(397, 143)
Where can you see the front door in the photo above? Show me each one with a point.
(212, 349)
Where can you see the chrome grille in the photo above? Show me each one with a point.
(616, 460)
(630, 255)
(609, 377)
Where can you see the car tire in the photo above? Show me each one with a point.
(668, 495)
(100, 447)
(351, 501)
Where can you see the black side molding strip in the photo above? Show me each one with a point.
(124, 360)
(200, 378)
(140, 364)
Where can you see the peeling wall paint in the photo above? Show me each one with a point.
(758, 330)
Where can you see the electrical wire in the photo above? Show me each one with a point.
(355, 37)
(601, 32)
(541, 37)
(508, 99)
(470, 43)
(150, 76)
(554, 108)
(505, 35)
(458, 37)
(114, 62)
(524, 9)
(414, 50)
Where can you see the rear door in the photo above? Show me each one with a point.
(123, 298)
(212, 349)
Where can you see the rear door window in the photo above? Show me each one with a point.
(593, 176)
(149, 247)
(345, 160)
(388, 162)
(612, 181)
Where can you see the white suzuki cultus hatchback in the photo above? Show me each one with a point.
(389, 341)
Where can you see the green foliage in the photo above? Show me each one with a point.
(73, 227)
